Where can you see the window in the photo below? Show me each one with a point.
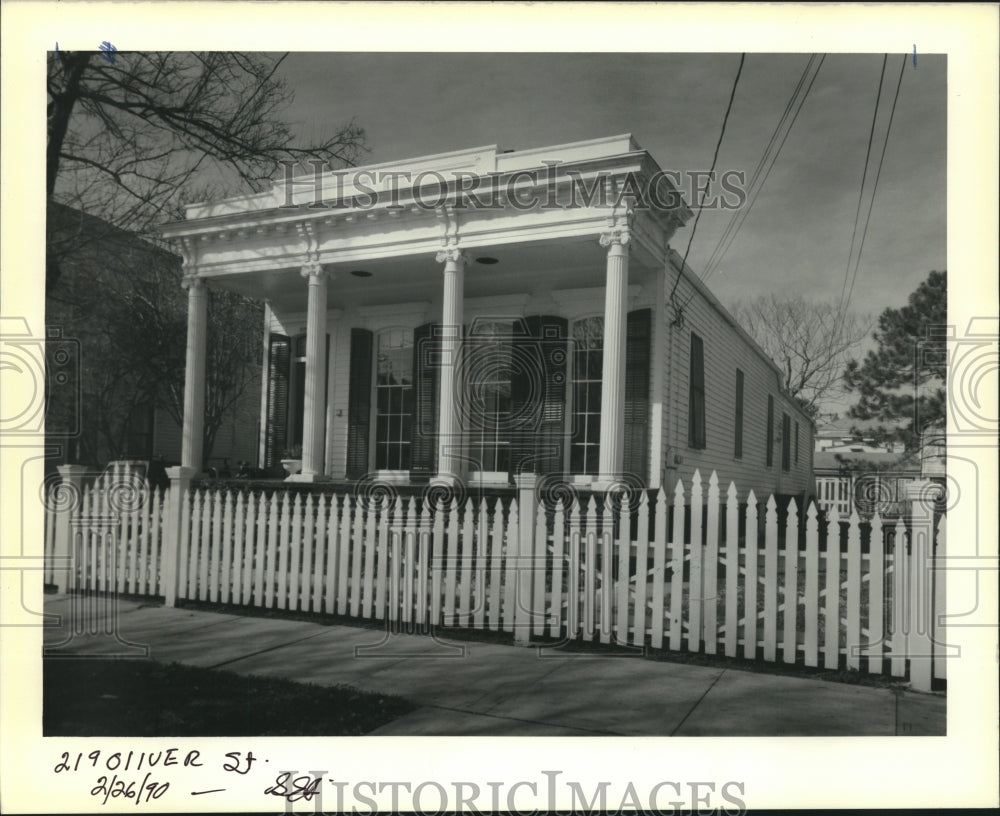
(394, 400)
(769, 442)
(588, 349)
(738, 443)
(786, 442)
(488, 391)
(696, 395)
(796, 442)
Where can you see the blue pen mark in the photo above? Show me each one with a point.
(914, 55)
(57, 47)
(109, 51)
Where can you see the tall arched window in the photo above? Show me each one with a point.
(486, 411)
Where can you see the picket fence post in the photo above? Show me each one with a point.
(919, 624)
(71, 488)
(170, 551)
(524, 555)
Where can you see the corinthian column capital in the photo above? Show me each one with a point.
(453, 254)
(616, 236)
(312, 269)
(193, 282)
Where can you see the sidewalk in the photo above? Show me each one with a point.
(487, 689)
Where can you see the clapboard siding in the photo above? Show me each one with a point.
(727, 349)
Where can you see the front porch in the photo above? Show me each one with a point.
(450, 343)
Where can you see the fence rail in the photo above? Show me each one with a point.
(735, 576)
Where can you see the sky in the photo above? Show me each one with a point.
(797, 236)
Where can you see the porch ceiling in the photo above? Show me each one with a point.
(530, 267)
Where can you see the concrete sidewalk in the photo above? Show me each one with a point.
(488, 689)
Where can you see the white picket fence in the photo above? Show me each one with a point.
(726, 580)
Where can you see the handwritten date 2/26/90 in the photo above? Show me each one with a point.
(116, 788)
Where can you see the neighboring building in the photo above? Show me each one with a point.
(864, 481)
(585, 350)
(102, 413)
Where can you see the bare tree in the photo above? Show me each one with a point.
(810, 342)
(132, 137)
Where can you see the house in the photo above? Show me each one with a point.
(476, 314)
(100, 406)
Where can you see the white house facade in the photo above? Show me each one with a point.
(478, 314)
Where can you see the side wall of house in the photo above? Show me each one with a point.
(726, 349)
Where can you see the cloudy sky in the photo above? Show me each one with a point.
(796, 238)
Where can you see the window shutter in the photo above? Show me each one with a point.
(638, 336)
(359, 403)
(696, 394)
(279, 359)
(426, 367)
(538, 435)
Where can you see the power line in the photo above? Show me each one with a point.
(715, 158)
(760, 165)
(878, 173)
(736, 224)
(864, 175)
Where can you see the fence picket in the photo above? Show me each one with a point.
(395, 542)
(624, 546)
(590, 557)
(367, 601)
(539, 567)
(938, 630)
(156, 539)
(216, 551)
(270, 573)
(696, 594)
(332, 555)
(355, 548)
(876, 585)
(482, 568)
(710, 607)
(789, 616)
(139, 582)
(607, 569)
(225, 576)
(641, 572)
(558, 569)
(409, 542)
(900, 569)
(770, 580)
(510, 570)
(306, 562)
(451, 564)
(831, 617)
(386, 508)
(659, 578)
(811, 634)
(285, 551)
(250, 551)
(465, 573)
(239, 528)
(438, 560)
(194, 548)
(853, 644)
(751, 619)
(575, 571)
(496, 548)
(677, 571)
(732, 571)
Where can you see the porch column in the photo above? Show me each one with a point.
(194, 373)
(610, 457)
(449, 430)
(314, 414)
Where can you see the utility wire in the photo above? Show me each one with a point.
(760, 165)
(740, 217)
(878, 173)
(715, 158)
(861, 192)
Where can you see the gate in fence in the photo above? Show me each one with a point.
(694, 571)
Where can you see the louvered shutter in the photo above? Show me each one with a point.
(278, 361)
(426, 368)
(359, 403)
(637, 367)
(538, 439)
